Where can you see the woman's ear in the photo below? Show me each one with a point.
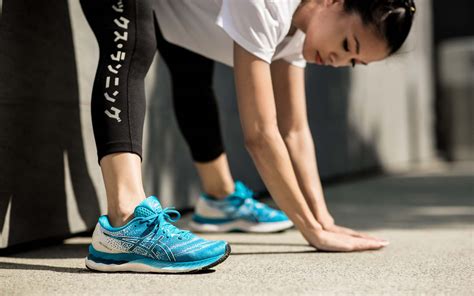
(329, 3)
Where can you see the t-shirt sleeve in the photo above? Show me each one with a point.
(296, 60)
(250, 25)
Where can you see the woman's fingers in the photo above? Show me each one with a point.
(359, 234)
(339, 242)
(348, 231)
(361, 244)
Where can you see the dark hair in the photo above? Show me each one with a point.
(391, 18)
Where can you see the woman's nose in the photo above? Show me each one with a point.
(333, 59)
(340, 60)
(336, 60)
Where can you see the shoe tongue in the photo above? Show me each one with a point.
(239, 186)
(240, 190)
(148, 207)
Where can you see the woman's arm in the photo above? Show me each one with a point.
(263, 140)
(266, 146)
(289, 90)
(290, 98)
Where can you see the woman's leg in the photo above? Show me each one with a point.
(123, 185)
(215, 177)
(197, 114)
(125, 32)
(148, 243)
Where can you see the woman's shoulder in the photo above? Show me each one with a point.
(265, 16)
(282, 12)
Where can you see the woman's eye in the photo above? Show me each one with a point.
(345, 44)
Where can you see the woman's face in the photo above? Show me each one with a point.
(336, 38)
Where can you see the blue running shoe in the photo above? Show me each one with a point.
(237, 212)
(150, 243)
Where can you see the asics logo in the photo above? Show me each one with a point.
(146, 245)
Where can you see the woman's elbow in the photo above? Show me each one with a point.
(260, 140)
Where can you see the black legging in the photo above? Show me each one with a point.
(128, 35)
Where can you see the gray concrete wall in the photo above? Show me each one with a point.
(456, 97)
(46, 189)
(364, 118)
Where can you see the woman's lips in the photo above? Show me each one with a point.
(319, 60)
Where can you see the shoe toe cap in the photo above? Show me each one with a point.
(276, 216)
(217, 248)
(208, 249)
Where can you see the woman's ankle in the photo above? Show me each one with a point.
(215, 176)
(220, 191)
(120, 213)
(117, 219)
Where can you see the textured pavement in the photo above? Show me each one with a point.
(427, 216)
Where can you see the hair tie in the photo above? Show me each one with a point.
(411, 6)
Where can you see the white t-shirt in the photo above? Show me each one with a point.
(209, 27)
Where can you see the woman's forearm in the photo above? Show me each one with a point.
(273, 162)
(301, 149)
(289, 85)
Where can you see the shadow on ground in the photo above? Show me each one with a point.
(74, 270)
(60, 251)
(23, 266)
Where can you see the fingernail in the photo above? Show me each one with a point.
(384, 243)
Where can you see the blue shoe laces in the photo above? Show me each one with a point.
(252, 205)
(164, 218)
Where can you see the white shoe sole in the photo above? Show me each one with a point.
(241, 225)
(148, 265)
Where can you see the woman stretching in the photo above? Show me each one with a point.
(265, 42)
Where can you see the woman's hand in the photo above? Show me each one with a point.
(328, 223)
(339, 242)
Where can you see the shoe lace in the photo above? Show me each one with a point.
(164, 218)
(251, 204)
(249, 198)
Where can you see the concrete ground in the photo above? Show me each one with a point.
(428, 216)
